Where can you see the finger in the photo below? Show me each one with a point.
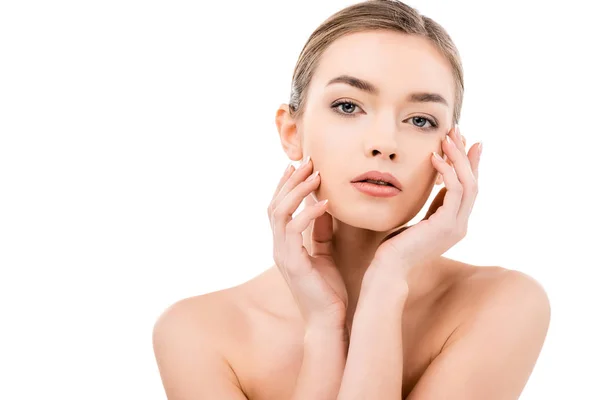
(282, 214)
(276, 245)
(471, 194)
(309, 201)
(458, 138)
(459, 142)
(463, 165)
(436, 203)
(287, 173)
(466, 168)
(460, 161)
(294, 180)
(453, 196)
(293, 231)
(322, 235)
(476, 167)
(472, 159)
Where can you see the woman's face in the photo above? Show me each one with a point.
(385, 131)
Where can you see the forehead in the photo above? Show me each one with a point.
(393, 61)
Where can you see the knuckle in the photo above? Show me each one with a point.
(290, 227)
(277, 213)
(471, 185)
(449, 228)
(461, 233)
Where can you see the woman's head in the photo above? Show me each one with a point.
(383, 57)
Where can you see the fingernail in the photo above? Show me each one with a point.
(306, 160)
(436, 155)
(313, 176)
(480, 148)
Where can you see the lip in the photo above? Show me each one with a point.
(379, 176)
(376, 190)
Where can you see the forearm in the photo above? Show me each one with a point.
(374, 365)
(322, 367)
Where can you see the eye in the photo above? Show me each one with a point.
(350, 106)
(423, 120)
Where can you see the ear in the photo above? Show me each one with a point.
(288, 133)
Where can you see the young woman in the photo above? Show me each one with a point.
(357, 304)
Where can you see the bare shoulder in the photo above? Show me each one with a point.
(493, 283)
(190, 346)
(491, 351)
(492, 293)
(207, 316)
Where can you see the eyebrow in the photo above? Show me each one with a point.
(365, 86)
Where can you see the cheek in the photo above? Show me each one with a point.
(327, 154)
(419, 175)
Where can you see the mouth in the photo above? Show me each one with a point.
(376, 182)
(376, 189)
(383, 179)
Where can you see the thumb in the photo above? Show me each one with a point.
(436, 203)
(322, 234)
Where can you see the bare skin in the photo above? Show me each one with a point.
(264, 330)
(249, 338)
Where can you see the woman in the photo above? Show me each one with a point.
(358, 304)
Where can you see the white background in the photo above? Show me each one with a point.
(139, 152)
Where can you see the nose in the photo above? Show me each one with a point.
(381, 143)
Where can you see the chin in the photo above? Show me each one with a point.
(379, 221)
(374, 216)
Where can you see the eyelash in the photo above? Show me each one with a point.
(338, 103)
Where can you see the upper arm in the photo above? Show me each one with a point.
(492, 355)
(191, 365)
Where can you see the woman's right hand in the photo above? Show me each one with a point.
(313, 279)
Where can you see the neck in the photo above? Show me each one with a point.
(353, 250)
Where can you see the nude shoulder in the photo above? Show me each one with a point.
(193, 340)
(482, 290)
(212, 318)
(479, 283)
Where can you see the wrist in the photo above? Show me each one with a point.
(327, 335)
(380, 289)
(387, 278)
(327, 322)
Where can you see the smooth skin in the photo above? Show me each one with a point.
(467, 332)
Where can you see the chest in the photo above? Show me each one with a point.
(270, 361)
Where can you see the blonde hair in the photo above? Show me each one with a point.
(372, 15)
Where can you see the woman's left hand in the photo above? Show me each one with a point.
(443, 226)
